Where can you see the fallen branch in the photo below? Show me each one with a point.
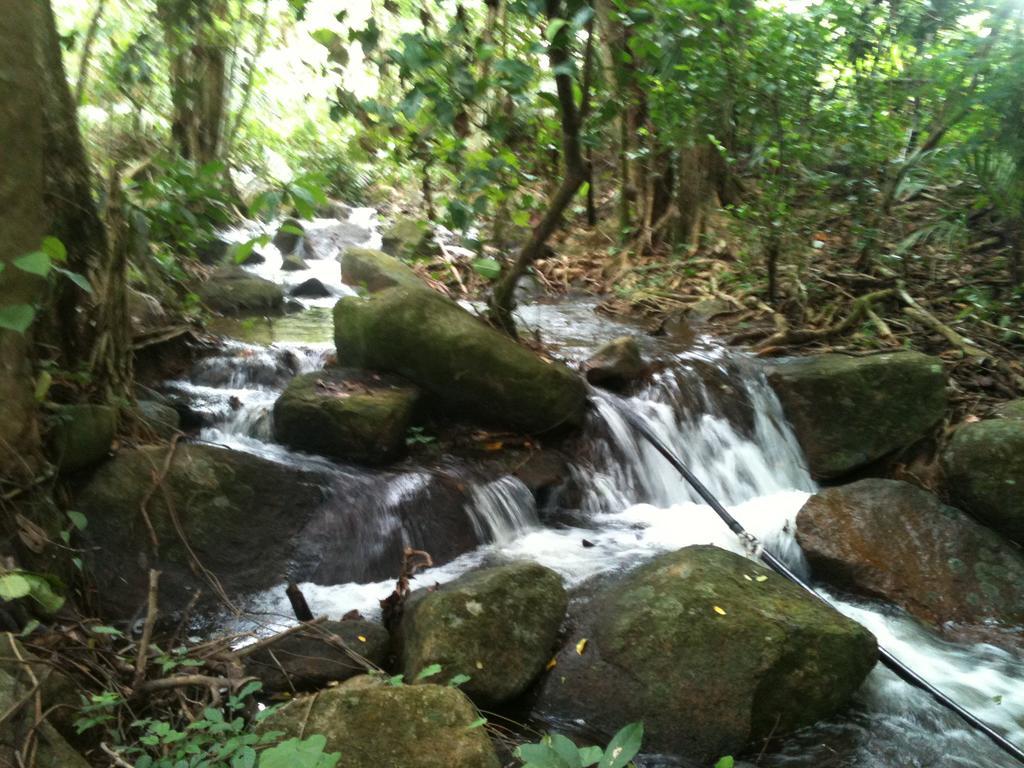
(800, 336)
(147, 629)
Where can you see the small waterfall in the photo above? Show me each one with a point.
(502, 510)
(734, 436)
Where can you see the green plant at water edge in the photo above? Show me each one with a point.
(557, 751)
(416, 436)
(220, 738)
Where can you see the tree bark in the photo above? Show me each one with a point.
(71, 212)
(90, 40)
(22, 225)
(502, 300)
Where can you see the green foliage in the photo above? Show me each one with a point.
(43, 264)
(417, 436)
(39, 588)
(557, 751)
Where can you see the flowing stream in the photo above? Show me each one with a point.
(712, 405)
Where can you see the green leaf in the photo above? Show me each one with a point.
(554, 28)
(566, 750)
(623, 747)
(17, 317)
(458, 680)
(295, 753)
(726, 762)
(488, 268)
(43, 386)
(540, 756)
(105, 630)
(77, 519)
(55, 249)
(75, 278)
(431, 671)
(36, 263)
(478, 723)
(590, 756)
(13, 586)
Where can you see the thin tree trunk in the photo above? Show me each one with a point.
(502, 301)
(90, 40)
(250, 77)
(588, 79)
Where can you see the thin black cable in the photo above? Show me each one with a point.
(898, 668)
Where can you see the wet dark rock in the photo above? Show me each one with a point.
(159, 418)
(326, 242)
(288, 241)
(346, 414)
(311, 659)
(850, 411)
(292, 306)
(543, 471)
(253, 259)
(616, 364)
(890, 539)
(712, 651)
(984, 466)
(496, 625)
(468, 369)
(409, 726)
(310, 289)
(81, 435)
(232, 289)
(375, 271)
(239, 513)
(334, 209)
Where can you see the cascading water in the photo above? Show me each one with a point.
(716, 410)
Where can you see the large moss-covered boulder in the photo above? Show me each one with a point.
(496, 625)
(346, 414)
(407, 238)
(160, 419)
(231, 513)
(232, 290)
(890, 539)
(409, 726)
(712, 651)
(984, 466)
(81, 435)
(850, 411)
(468, 369)
(375, 270)
(1013, 410)
(324, 653)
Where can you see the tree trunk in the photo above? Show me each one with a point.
(90, 40)
(22, 225)
(694, 190)
(502, 300)
(71, 213)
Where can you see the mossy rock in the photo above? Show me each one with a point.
(893, 540)
(1013, 410)
(81, 435)
(160, 419)
(984, 466)
(294, 262)
(848, 412)
(712, 651)
(408, 238)
(239, 513)
(409, 726)
(315, 657)
(233, 290)
(286, 241)
(468, 369)
(346, 414)
(496, 625)
(375, 271)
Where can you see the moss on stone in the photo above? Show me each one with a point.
(496, 625)
(712, 652)
(410, 726)
(850, 411)
(984, 465)
(407, 238)
(468, 369)
(232, 289)
(346, 414)
(81, 435)
(376, 271)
